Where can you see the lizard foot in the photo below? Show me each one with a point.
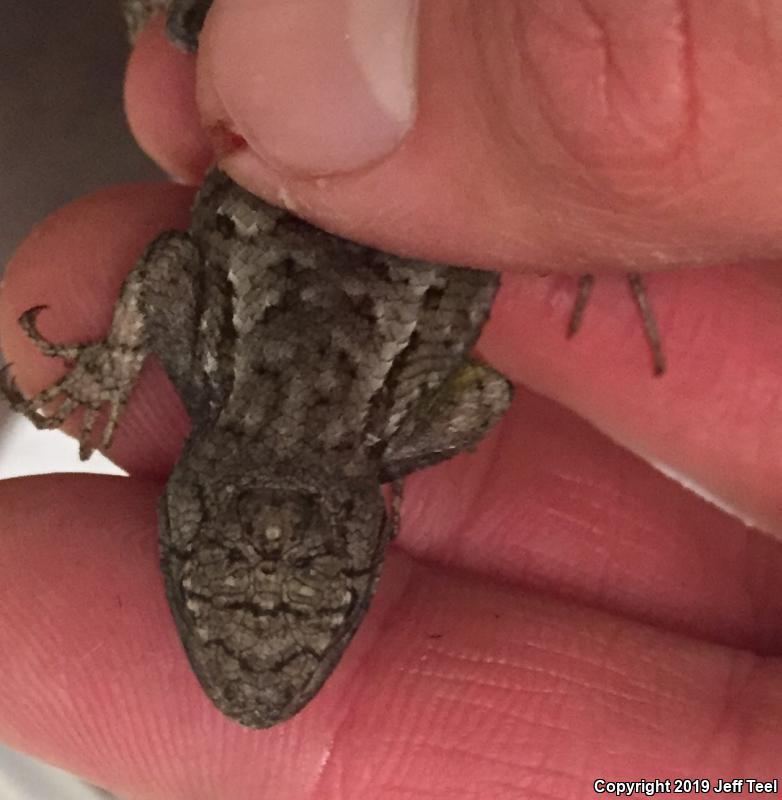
(651, 331)
(101, 374)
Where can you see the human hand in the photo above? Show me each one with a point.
(556, 610)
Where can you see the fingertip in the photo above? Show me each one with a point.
(74, 263)
(161, 108)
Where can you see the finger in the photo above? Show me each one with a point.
(498, 134)
(453, 686)
(162, 71)
(621, 517)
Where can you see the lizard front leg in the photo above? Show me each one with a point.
(158, 293)
(452, 418)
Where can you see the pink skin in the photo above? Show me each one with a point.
(554, 609)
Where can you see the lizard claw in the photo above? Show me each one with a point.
(28, 323)
(33, 408)
(74, 390)
(17, 401)
(9, 388)
(101, 375)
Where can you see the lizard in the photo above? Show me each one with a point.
(314, 370)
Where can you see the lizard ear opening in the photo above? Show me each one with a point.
(267, 600)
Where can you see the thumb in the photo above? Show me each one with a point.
(497, 133)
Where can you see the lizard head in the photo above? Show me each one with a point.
(268, 574)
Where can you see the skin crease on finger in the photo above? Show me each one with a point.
(590, 135)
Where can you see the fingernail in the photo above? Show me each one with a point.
(318, 87)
